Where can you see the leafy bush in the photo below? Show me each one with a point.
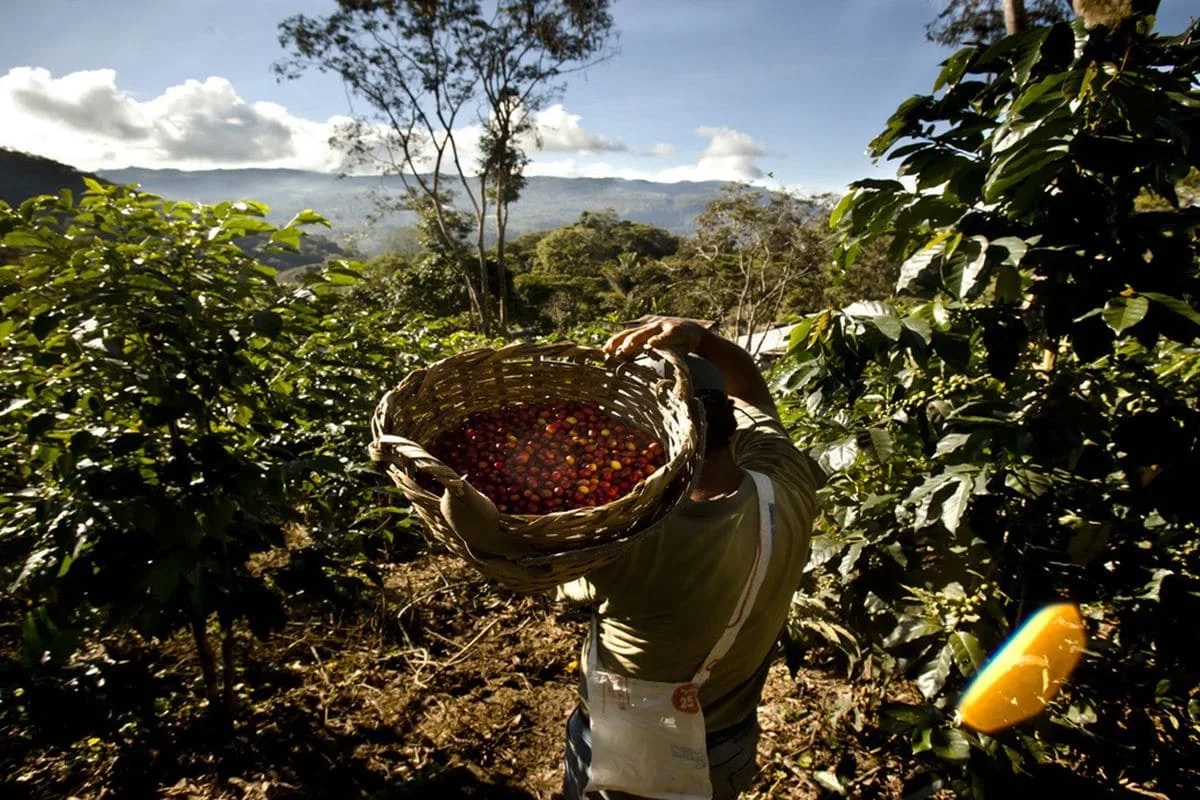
(1031, 431)
(173, 410)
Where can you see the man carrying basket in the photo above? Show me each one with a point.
(685, 622)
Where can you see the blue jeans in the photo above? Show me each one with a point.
(731, 760)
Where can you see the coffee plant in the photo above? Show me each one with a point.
(1027, 429)
(171, 409)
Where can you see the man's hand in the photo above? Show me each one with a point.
(673, 333)
(742, 378)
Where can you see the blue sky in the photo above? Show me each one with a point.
(781, 92)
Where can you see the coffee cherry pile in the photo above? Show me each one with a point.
(535, 458)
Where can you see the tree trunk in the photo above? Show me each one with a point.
(501, 270)
(208, 662)
(1015, 19)
(485, 292)
(472, 292)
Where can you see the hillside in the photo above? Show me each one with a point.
(23, 176)
(349, 203)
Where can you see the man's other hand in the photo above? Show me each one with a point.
(674, 333)
(742, 378)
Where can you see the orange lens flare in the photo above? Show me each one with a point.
(1026, 672)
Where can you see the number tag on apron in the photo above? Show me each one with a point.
(648, 737)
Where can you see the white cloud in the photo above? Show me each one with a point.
(83, 101)
(560, 131)
(803, 190)
(85, 120)
(730, 155)
(574, 168)
(209, 122)
(377, 149)
(729, 143)
(555, 131)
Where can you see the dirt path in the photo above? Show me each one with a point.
(451, 689)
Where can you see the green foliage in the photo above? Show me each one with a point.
(574, 250)
(135, 335)
(596, 266)
(424, 286)
(435, 280)
(754, 259)
(871, 274)
(628, 237)
(1187, 193)
(309, 251)
(1025, 433)
(753, 255)
(597, 240)
(172, 411)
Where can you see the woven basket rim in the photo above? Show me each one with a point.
(629, 387)
(682, 388)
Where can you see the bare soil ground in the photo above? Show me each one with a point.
(449, 688)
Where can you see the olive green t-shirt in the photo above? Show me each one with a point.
(662, 606)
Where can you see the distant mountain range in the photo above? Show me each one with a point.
(351, 204)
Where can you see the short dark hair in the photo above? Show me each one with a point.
(718, 415)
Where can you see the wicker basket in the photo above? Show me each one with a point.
(539, 552)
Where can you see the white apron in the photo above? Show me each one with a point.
(648, 736)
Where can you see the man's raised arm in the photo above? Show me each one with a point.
(743, 381)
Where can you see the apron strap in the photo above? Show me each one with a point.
(758, 572)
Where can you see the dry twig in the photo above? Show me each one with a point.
(457, 657)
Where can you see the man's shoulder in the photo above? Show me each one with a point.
(763, 445)
(750, 417)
